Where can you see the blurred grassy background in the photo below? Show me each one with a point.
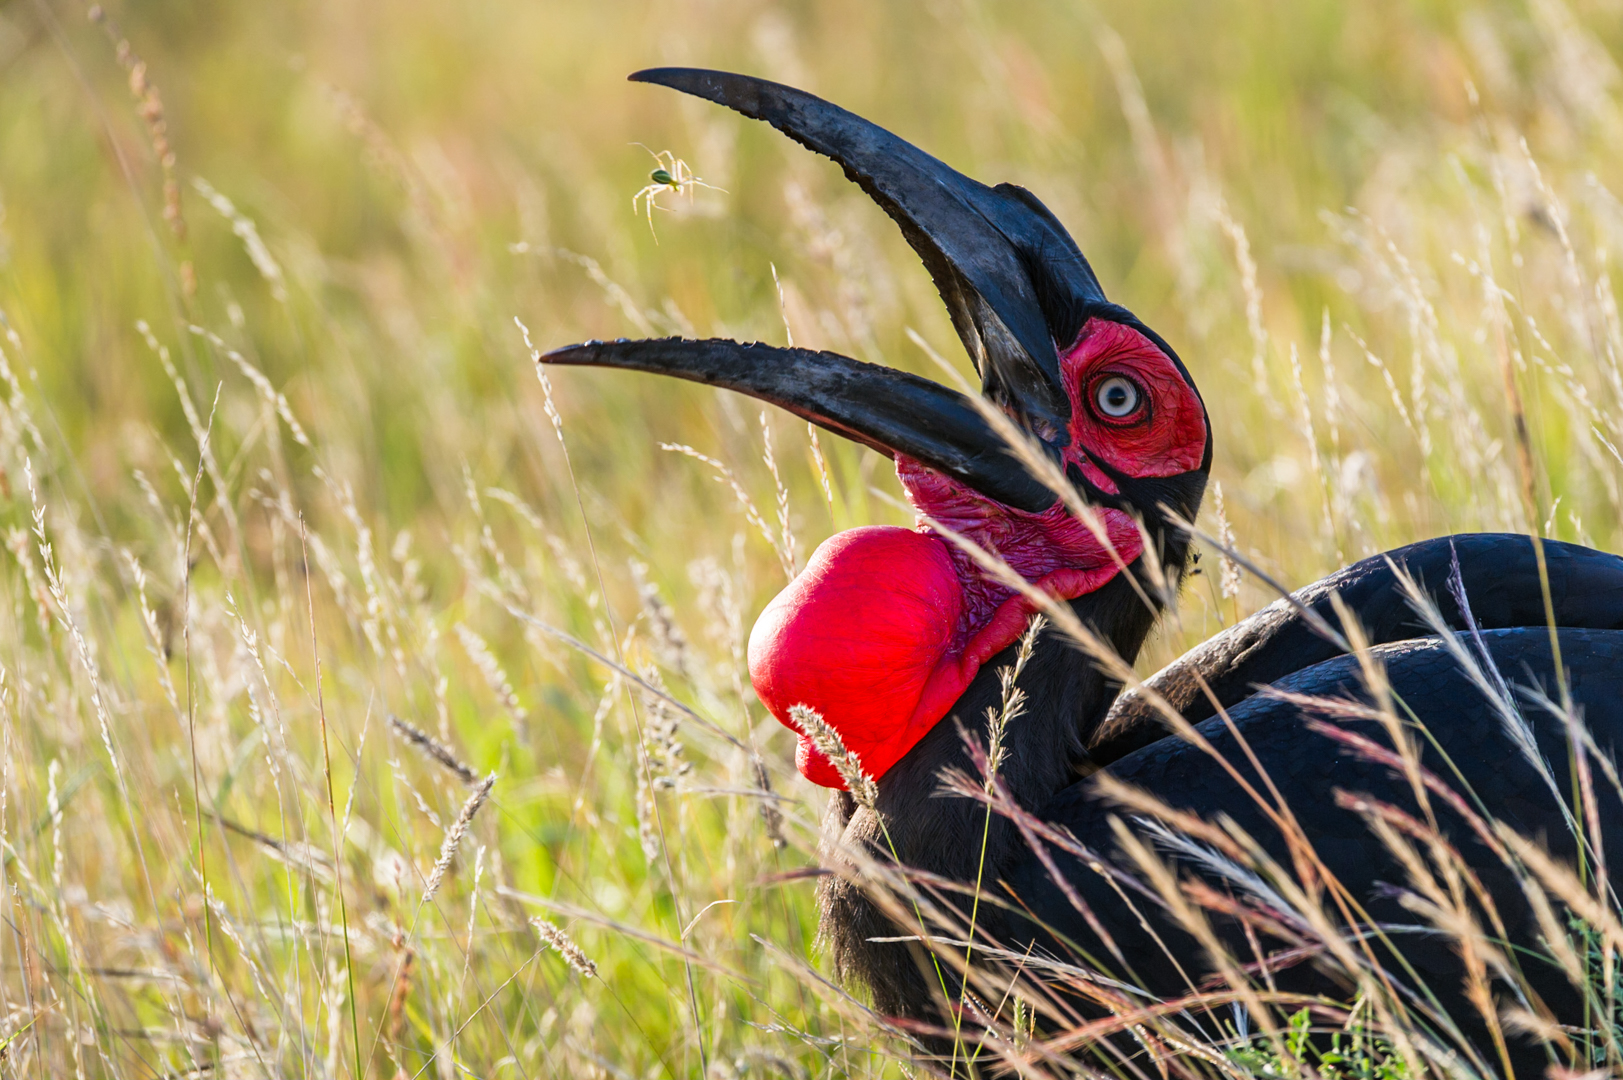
(1350, 219)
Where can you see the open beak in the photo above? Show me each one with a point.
(1013, 280)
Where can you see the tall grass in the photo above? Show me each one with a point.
(303, 562)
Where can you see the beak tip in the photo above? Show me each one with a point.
(586, 353)
(571, 354)
(674, 77)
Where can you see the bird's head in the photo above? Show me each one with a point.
(886, 627)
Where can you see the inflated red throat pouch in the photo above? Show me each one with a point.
(877, 635)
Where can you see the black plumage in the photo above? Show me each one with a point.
(1499, 576)
(1073, 707)
(1466, 745)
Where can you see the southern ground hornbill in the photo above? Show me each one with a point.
(896, 637)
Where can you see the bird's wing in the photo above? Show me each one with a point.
(1500, 574)
(1466, 746)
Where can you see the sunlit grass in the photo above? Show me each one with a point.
(293, 345)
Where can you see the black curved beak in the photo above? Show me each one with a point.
(1013, 280)
(889, 410)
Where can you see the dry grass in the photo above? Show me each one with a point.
(264, 405)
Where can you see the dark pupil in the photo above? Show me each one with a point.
(1116, 397)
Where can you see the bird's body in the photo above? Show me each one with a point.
(1469, 750)
(1467, 745)
(1089, 447)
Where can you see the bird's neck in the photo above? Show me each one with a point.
(1066, 696)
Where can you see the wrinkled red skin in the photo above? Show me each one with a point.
(886, 627)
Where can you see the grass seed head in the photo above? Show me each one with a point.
(553, 935)
(433, 749)
(454, 835)
(830, 745)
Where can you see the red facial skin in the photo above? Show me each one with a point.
(1166, 436)
(886, 627)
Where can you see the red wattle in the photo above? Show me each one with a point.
(871, 636)
(857, 636)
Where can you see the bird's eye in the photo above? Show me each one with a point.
(1117, 397)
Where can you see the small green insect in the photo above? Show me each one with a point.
(670, 173)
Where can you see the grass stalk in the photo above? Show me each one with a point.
(332, 807)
